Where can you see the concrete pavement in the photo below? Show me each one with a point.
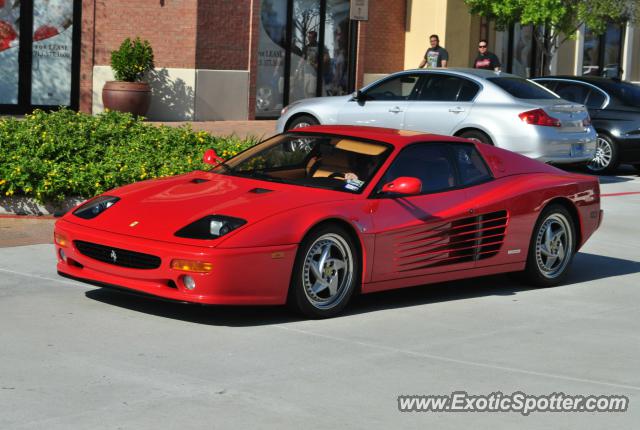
(75, 356)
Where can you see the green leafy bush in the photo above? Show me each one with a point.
(50, 156)
(132, 60)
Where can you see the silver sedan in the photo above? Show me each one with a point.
(496, 108)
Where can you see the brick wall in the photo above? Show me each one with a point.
(382, 40)
(223, 34)
(86, 55)
(169, 25)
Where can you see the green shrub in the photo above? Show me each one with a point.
(50, 156)
(132, 60)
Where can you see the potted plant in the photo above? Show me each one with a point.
(129, 63)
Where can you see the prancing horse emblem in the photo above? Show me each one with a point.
(114, 256)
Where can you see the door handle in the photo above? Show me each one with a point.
(456, 110)
(395, 110)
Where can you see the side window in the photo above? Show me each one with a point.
(596, 99)
(430, 162)
(441, 88)
(471, 166)
(399, 88)
(468, 91)
(576, 93)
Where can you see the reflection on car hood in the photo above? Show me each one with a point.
(156, 209)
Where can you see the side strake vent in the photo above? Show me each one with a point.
(463, 240)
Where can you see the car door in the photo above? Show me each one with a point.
(422, 234)
(443, 101)
(382, 105)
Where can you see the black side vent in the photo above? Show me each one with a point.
(198, 180)
(260, 191)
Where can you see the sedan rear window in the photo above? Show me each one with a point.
(522, 88)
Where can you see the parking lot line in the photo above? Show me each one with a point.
(620, 194)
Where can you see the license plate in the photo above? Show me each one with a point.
(577, 149)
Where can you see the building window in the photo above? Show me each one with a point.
(602, 53)
(39, 54)
(303, 51)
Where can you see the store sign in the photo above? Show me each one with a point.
(359, 10)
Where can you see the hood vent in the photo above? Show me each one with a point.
(260, 191)
(198, 180)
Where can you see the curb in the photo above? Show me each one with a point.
(20, 205)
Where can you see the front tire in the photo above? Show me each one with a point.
(606, 158)
(325, 274)
(551, 249)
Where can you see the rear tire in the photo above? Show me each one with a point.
(551, 249)
(326, 272)
(478, 136)
(606, 158)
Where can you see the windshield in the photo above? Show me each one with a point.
(318, 161)
(523, 88)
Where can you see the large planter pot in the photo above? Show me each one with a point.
(132, 97)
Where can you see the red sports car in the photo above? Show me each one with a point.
(312, 216)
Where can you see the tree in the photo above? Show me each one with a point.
(556, 21)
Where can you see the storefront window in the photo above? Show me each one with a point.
(9, 49)
(304, 51)
(51, 55)
(336, 48)
(271, 58)
(601, 53)
(522, 50)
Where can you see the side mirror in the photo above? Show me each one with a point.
(210, 157)
(403, 185)
(359, 96)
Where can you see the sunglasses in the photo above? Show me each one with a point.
(482, 46)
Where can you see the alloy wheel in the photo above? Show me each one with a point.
(603, 156)
(327, 271)
(554, 245)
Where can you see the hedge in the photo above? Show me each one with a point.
(50, 156)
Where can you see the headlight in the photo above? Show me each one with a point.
(95, 207)
(210, 227)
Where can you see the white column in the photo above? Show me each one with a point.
(579, 54)
(627, 52)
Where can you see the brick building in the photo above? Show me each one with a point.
(240, 59)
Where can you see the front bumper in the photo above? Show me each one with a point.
(240, 276)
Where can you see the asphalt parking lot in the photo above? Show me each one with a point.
(74, 356)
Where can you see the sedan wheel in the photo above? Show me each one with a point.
(301, 144)
(325, 273)
(552, 247)
(606, 156)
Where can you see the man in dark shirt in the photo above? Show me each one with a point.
(485, 59)
(436, 56)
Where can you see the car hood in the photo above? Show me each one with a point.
(158, 208)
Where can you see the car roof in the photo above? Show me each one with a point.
(467, 71)
(398, 138)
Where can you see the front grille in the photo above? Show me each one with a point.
(117, 256)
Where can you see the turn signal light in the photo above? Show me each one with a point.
(192, 266)
(539, 117)
(60, 239)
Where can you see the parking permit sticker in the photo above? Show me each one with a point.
(354, 184)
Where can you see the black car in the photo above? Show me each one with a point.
(614, 107)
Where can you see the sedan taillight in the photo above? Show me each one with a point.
(539, 117)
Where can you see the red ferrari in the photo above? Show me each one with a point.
(312, 216)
